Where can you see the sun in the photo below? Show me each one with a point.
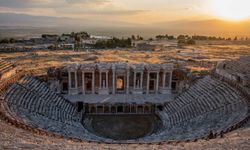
(232, 9)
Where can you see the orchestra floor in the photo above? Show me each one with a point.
(122, 127)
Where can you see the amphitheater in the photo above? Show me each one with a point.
(120, 103)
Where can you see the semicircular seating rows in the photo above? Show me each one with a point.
(4, 66)
(31, 102)
(208, 106)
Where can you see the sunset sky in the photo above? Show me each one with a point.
(132, 11)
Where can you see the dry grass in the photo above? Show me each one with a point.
(198, 58)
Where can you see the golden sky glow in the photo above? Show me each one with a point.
(232, 9)
(132, 11)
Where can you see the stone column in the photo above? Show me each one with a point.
(107, 80)
(93, 82)
(127, 91)
(83, 83)
(134, 80)
(164, 79)
(147, 92)
(76, 80)
(113, 77)
(141, 80)
(157, 83)
(100, 80)
(138, 84)
(170, 79)
(69, 80)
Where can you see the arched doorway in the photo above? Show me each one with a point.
(120, 84)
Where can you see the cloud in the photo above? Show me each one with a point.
(96, 8)
(68, 8)
(99, 12)
(86, 1)
(47, 3)
(23, 3)
(122, 10)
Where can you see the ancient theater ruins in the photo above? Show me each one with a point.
(119, 102)
(118, 87)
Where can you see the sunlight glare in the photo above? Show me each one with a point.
(232, 9)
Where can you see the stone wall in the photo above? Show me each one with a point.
(104, 78)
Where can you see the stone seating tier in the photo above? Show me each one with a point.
(209, 106)
(4, 66)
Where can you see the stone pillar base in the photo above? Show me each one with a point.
(137, 91)
(103, 91)
(165, 90)
(73, 91)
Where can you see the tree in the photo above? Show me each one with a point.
(78, 40)
(150, 39)
(166, 36)
(181, 37)
(100, 44)
(5, 41)
(159, 37)
(190, 42)
(12, 40)
(83, 35)
(113, 43)
(139, 38)
(129, 42)
(171, 37)
(181, 41)
(51, 47)
(133, 37)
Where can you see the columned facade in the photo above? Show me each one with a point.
(93, 82)
(138, 71)
(83, 82)
(113, 79)
(127, 84)
(103, 69)
(72, 81)
(119, 108)
(119, 78)
(147, 90)
(166, 80)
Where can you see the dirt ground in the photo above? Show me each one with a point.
(122, 127)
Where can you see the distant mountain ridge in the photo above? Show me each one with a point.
(212, 26)
(28, 23)
(14, 19)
